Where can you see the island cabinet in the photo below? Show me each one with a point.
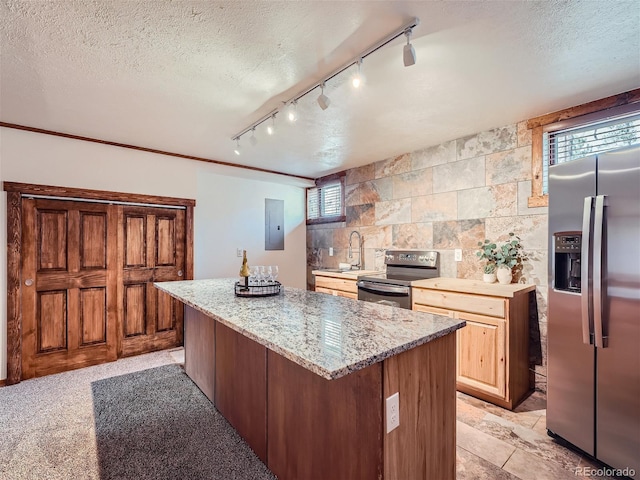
(304, 377)
(493, 348)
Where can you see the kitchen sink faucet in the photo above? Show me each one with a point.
(350, 252)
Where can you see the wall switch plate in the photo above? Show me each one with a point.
(458, 254)
(393, 412)
(238, 252)
(331, 251)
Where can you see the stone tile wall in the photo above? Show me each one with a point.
(445, 197)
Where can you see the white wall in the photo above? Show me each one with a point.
(229, 211)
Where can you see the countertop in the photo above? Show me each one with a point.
(328, 335)
(478, 287)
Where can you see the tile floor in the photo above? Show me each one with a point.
(496, 444)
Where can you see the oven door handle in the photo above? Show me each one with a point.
(383, 288)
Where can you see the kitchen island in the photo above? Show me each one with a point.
(303, 378)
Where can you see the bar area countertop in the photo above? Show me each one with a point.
(330, 336)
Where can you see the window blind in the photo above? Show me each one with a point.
(588, 139)
(325, 201)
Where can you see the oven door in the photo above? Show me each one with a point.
(384, 294)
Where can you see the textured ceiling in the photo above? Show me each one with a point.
(185, 76)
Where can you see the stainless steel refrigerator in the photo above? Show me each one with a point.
(593, 384)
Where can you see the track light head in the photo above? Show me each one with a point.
(358, 79)
(252, 139)
(237, 149)
(292, 114)
(271, 128)
(323, 100)
(408, 54)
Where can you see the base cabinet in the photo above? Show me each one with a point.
(493, 348)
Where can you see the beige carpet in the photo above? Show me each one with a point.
(139, 417)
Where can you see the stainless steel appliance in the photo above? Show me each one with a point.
(593, 392)
(393, 287)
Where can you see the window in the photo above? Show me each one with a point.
(588, 138)
(578, 131)
(325, 201)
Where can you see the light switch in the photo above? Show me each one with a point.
(458, 254)
(331, 251)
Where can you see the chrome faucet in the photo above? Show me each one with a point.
(350, 251)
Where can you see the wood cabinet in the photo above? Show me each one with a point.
(304, 426)
(336, 284)
(493, 348)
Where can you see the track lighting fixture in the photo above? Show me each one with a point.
(292, 114)
(409, 54)
(271, 128)
(408, 57)
(323, 100)
(356, 81)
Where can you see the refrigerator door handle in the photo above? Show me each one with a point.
(598, 226)
(585, 270)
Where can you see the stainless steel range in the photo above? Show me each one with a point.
(393, 287)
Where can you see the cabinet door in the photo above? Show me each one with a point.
(353, 296)
(481, 354)
(326, 290)
(438, 311)
(337, 293)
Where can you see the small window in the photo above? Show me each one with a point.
(590, 138)
(325, 201)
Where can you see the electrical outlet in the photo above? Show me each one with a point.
(393, 412)
(331, 251)
(238, 252)
(458, 254)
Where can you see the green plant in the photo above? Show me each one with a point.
(487, 251)
(510, 253)
(490, 268)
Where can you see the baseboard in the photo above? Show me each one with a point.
(3, 382)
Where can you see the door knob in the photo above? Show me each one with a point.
(28, 282)
(179, 273)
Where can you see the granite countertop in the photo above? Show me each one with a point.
(328, 335)
(478, 287)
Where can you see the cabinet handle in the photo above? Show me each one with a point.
(28, 282)
(180, 273)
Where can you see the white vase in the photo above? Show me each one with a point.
(489, 277)
(504, 275)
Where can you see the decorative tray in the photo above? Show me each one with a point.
(263, 290)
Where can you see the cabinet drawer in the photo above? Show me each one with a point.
(337, 284)
(461, 302)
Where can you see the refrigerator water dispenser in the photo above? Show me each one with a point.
(568, 247)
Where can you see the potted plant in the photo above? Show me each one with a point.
(488, 251)
(508, 255)
(489, 274)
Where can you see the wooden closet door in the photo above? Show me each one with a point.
(69, 294)
(152, 250)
